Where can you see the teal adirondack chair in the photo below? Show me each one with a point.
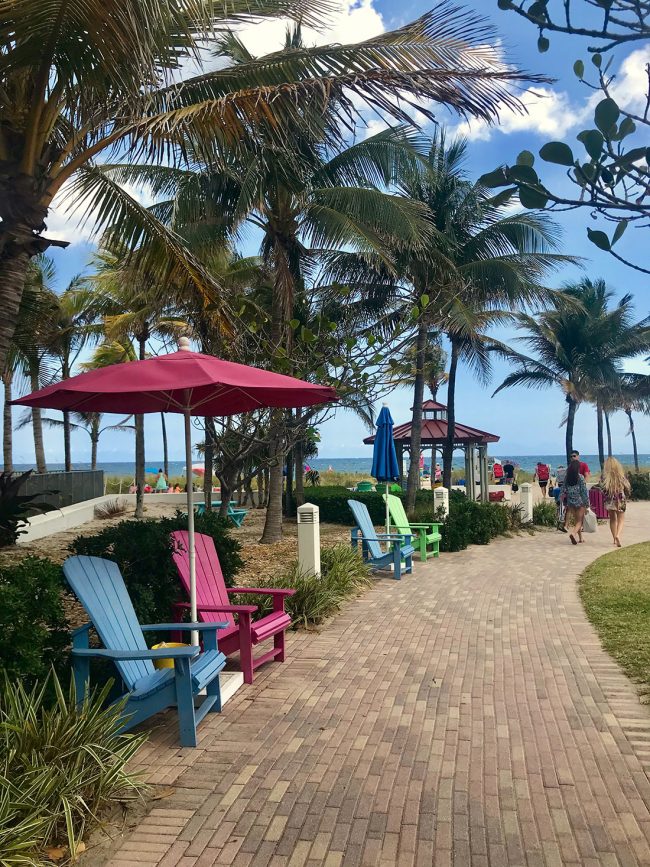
(100, 588)
(236, 515)
(424, 535)
(401, 550)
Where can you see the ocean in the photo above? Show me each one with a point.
(359, 465)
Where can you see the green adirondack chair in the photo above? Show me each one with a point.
(425, 536)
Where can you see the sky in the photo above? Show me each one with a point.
(528, 422)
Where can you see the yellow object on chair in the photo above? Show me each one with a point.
(166, 663)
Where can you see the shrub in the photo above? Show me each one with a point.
(33, 629)
(545, 514)
(343, 574)
(468, 522)
(143, 551)
(640, 486)
(111, 509)
(332, 502)
(59, 767)
(16, 507)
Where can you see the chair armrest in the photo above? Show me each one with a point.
(423, 525)
(124, 655)
(187, 627)
(381, 537)
(281, 591)
(225, 609)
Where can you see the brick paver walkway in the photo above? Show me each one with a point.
(464, 716)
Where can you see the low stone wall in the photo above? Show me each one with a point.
(80, 513)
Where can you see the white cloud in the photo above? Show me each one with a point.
(630, 86)
(347, 21)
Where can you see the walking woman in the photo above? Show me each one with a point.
(616, 488)
(576, 497)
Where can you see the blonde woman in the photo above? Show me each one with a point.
(616, 488)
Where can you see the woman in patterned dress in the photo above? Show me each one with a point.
(616, 488)
(574, 491)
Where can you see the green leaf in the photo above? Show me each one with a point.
(606, 114)
(597, 59)
(526, 158)
(586, 173)
(533, 199)
(294, 323)
(538, 10)
(504, 4)
(557, 152)
(579, 68)
(593, 141)
(618, 232)
(415, 313)
(523, 174)
(496, 178)
(424, 300)
(599, 238)
(543, 45)
(627, 127)
(606, 175)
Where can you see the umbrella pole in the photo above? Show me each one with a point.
(387, 519)
(190, 522)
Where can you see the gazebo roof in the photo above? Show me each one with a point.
(434, 431)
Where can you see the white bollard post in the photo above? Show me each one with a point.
(309, 539)
(526, 499)
(441, 500)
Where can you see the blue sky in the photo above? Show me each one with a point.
(527, 421)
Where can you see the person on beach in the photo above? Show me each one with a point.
(616, 488)
(576, 497)
(509, 472)
(584, 468)
(161, 483)
(542, 475)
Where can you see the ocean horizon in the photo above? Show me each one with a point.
(356, 465)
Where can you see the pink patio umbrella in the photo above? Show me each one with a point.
(183, 382)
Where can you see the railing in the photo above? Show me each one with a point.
(65, 488)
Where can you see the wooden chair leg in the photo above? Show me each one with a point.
(81, 671)
(423, 546)
(214, 687)
(278, 644)
(397, 562)
(185, 703)
(246, 646)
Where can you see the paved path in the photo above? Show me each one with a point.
(466, 715)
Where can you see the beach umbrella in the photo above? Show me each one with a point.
(183, 382)
(197, 470)
(384, 457)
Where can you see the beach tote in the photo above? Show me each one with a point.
(590, 522)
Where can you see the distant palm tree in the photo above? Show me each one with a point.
(90, 422)
(580, 346)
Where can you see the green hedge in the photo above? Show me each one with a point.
(333, 503)
(640, 486)
(33, 631)
(143, 551)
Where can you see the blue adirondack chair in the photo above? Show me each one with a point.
(236, 515)
(100, 588)
(401, 550)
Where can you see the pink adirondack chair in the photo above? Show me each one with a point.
(212, 597)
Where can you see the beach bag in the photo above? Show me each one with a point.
(515, 487)
(590, 522)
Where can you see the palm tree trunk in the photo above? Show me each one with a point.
(7, 425)
(273, 524)
(37, 423)
(163, 426)
(628, 413)
(94, 440)
(448, 448)
(67, 449)
(570, 425)
(289, 485)
(601, 445)
(17, 244)
(208, 463)
(139, 444)
(609, 435)
(260, 489)
(413, 482)
(299, 463)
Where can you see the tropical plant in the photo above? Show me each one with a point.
(82, 82)
(580, 347)
(60, 766)
(91, 423)
(15, 507)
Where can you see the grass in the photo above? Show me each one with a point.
(615, 592)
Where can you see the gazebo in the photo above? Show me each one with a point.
(470, 440)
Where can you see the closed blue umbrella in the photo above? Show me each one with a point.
(384, 457)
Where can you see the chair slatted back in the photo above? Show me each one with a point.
(362, 517)
(210, 584)
(99, 586)
(398, 514)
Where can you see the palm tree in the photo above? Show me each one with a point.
(82, 82)
(580, 344)
(91, 423)
(480, 258)
(403, 368)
